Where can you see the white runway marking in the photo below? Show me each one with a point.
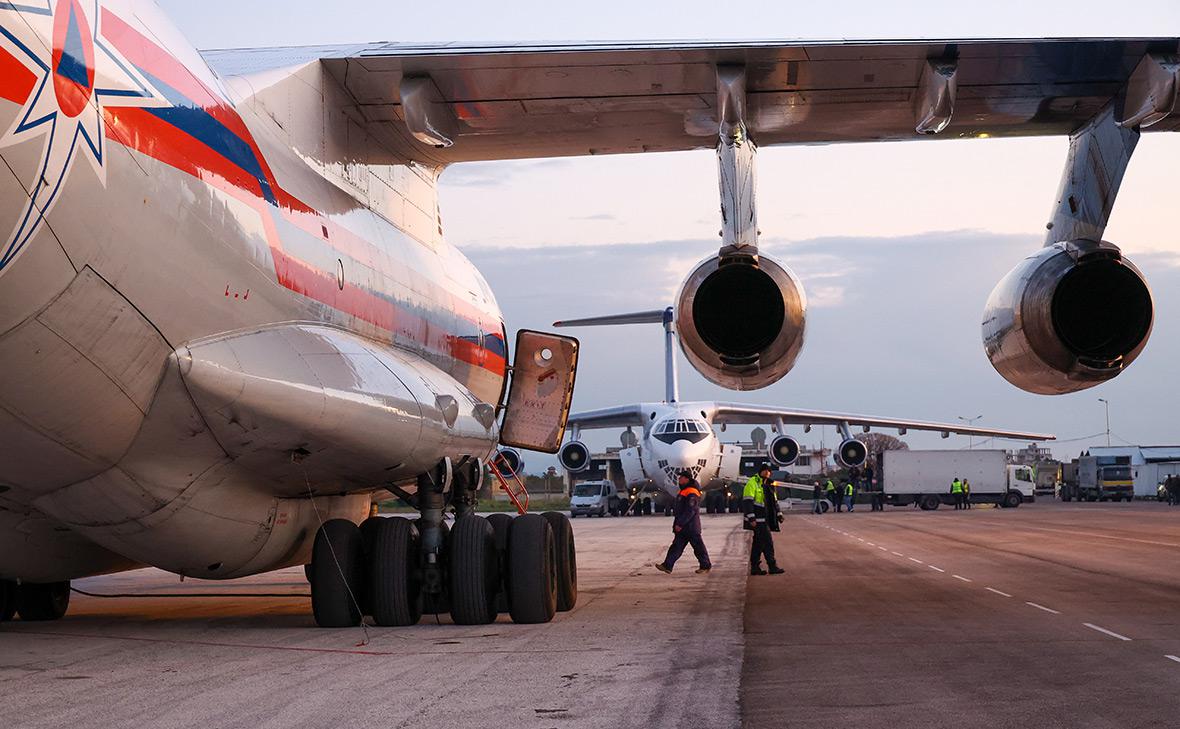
(882, 549)
(870, 544)
(1173, 658)
(998, 592)
(1100, 629)
(937, 569)
(899, 554)
(961, 577)
(917, 560)
(1042, 607)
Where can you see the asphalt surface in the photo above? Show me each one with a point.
(1045, 616)
(622, 657)
(1050, 615)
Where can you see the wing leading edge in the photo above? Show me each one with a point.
(738, 414)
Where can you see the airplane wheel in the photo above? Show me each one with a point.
(394, 595)
(475, 571)
(532, 572)
(566, 558)
(7, 600)
(336, 569)
(43, 602)
(501, 523)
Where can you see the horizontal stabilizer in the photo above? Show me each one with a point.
(638, 317)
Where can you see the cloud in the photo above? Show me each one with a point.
(494, 174)
(595, 217)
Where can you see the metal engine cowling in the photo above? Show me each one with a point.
(1070, 317)
(784, 451)
(852, 453)
(741, 320)
(574, 456)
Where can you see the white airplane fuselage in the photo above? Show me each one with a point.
(164, 231)
(679, 437)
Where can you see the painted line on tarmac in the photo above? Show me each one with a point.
(883, 549)
(1042, 607)
(1100, 629)
(998, 592)
(870, 544)
(961, 577)
(899, 554)
(936, 569)
(1173, 658)
(914, 559)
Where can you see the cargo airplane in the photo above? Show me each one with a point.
(679, 436)
(229, 316)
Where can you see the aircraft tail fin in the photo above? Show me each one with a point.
(639, 317)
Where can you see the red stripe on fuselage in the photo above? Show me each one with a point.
(16, 81)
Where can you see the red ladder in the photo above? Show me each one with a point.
(518, 493)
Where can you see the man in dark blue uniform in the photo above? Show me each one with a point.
(686, 526)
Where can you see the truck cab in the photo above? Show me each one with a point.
(1022, 479)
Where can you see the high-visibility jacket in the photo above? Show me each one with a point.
(848, 489)
(956, 486)
(754, 498)
(830, 486)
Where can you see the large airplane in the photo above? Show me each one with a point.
(680, 436)
(229, 316)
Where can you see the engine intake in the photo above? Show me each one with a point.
(508, 461)
(574, 456)
(852, 453)
(784, 450)
(741, 320)
(1072, 316)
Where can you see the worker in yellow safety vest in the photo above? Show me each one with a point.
(957, 493)
(758, 511)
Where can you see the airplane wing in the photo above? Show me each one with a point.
(446, 103)
(617, 417)
(739, 414)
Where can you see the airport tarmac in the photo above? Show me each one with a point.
(1051, 615)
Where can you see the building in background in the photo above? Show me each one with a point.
(1149, 464)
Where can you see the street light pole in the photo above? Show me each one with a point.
(970, 437)
(1106, 402)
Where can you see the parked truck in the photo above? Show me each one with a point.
(924, 478)
(1098, 478)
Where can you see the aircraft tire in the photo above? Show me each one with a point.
(7, 600)
(474, 571)
(532, 571)
(336, 569)
(501, 524)
(566, 559)
(49, 601)
(393, 593)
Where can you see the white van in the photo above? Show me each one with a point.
(595, 498)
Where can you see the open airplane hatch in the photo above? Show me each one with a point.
(542, 389)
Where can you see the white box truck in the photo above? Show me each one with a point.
(924, 478)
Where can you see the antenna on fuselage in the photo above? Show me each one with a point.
(667, 317)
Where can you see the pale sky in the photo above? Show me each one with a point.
(897, 243)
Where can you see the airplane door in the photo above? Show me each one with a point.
(731, 461)
(632, 463)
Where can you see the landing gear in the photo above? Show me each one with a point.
(394, 595)
(7, 600)
(474, 571)
(532, 570)
(566, 559)
(42, 602)
(336, 574)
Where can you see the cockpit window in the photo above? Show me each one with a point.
(672, 430)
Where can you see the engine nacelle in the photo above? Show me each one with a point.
(741, 320)
(852, 453)
(508, 461)
(784, 450)
(1070, 317)
(574, 456)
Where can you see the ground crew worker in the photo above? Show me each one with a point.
(686, 526)
(957, 493)
(848, 494)
(755, 508)
(817, 497)
(966, 494)
(830, 492)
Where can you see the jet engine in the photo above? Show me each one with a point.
(852, 453)
(574, 456)
(1070, 317)
(508, 461)
(741, 320)
(784, 450)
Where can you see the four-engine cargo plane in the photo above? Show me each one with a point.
(228, 314)
(679, 436)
